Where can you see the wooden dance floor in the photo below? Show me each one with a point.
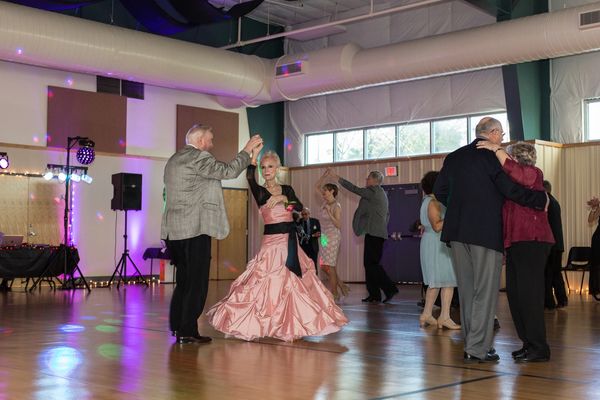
(115, 344)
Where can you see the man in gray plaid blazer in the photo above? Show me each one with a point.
(195, 212)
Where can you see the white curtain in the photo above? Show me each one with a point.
(425, 99)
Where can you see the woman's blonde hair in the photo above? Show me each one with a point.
(273, 156)
(523, 152)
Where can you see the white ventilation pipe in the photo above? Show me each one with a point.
(52, 40)
(348, 67)
(48, 39)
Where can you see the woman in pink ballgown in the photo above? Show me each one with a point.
(279, 294)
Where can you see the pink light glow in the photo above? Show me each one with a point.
(69, 81)
(99, 216)
(50, 94)
(36, 139)
(229, 266)
(73, 227)
(57, 200)
(32, 196)
(19, 51)
(122, 143)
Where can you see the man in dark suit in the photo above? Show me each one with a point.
(311, 232)
(553, 273)
(194, 212)
(473, 186)
(371, 219)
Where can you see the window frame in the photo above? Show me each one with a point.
(586, 119)
(397, 126)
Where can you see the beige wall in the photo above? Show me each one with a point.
(571, 169)
(151, 125)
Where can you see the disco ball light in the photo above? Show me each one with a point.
(4, 161)
(86, 155)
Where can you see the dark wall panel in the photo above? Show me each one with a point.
(225, 129)
(101, 117)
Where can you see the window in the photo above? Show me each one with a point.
(502, 117)
(410, 139)
(448, 134)
(381, 142)
(592, 119)
(349, 145)
(319, 148)
(413, 139)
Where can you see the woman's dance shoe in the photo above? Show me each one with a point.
(427, 320)
(345, 289)
(448, 324)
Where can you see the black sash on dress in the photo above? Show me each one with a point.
(292, 262)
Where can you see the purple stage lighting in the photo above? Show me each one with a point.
(86, 155)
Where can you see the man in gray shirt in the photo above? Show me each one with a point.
(371, 219)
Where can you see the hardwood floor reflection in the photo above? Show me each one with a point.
(114, 344)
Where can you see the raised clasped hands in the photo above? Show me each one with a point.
(254, 141)
(256, 151)
(329, 172)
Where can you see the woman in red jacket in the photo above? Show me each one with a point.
(527, 241)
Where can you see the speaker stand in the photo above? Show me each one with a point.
(121, 268)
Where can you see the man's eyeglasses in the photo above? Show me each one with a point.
(499, 132)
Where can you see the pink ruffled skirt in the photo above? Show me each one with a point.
(268, 300)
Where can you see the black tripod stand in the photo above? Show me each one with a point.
(65, 253)
(121, 267)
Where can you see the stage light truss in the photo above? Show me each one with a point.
(63, 172)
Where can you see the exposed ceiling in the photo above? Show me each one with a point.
(301, 12)
(296, 12)
(190, 20)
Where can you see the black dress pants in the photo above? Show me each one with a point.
(525, 264)
(192, 260)
(555, 285)
(376, 277)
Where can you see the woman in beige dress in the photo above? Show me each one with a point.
(331, 214)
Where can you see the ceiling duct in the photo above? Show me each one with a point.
(52, 40)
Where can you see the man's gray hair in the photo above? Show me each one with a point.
(195, 130)
(486, 125)
(524, 153)
(378, 176)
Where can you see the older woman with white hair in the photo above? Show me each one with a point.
(279, 294)
(527, 241)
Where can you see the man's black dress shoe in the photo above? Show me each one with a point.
(492, 350)
(193, 339)
(489, 358)
(370, 300)
(519, 353)
(496, 324)
(529, 357)
(389, 297)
